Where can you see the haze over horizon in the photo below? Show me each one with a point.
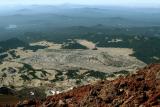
(129, 3)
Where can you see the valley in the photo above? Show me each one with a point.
(63, 69)
(52, 54)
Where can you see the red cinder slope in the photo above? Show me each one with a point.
(138, 90)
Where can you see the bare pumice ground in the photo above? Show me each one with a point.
(66, 68)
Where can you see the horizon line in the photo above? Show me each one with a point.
(74, 4)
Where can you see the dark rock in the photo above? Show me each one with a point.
(11, 70)
(7, 91)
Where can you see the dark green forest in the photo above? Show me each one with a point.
(145, 42)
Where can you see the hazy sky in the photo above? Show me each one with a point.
(150, 3)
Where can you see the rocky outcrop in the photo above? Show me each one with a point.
(140, 89)
(8, 97)
(7, 91)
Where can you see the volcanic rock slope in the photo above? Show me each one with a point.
(137, 90)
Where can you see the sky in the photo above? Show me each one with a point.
(144, 3)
